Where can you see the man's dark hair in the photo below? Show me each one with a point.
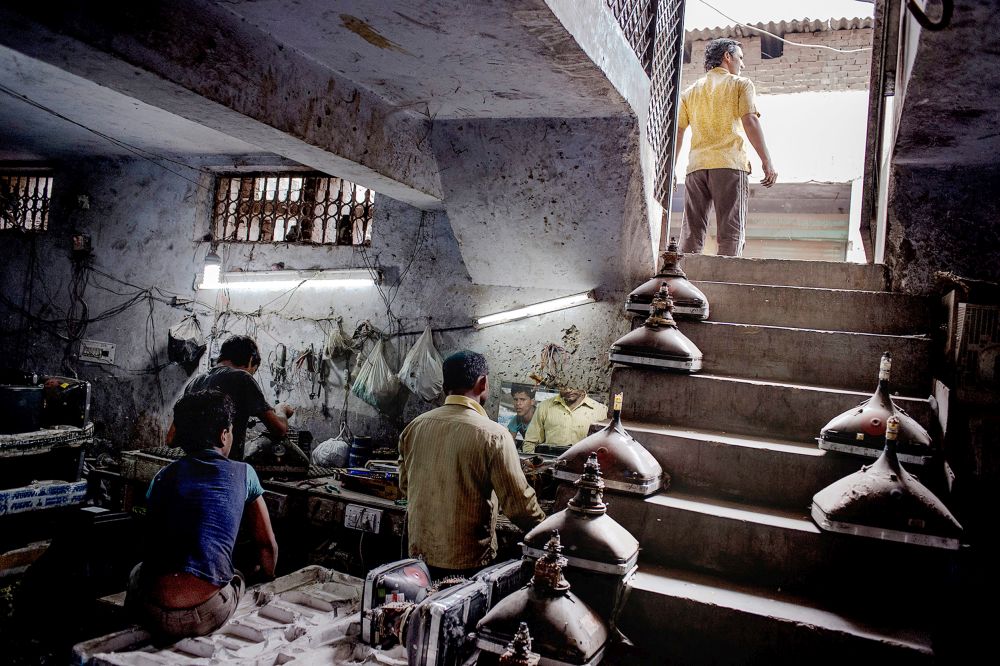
(522, 388)
(199, 417)
(240, 350)
(716, 50)
(462, 369)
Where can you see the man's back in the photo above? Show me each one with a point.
(713, 107)
(245, 393)
(195, 507)
(453, 458)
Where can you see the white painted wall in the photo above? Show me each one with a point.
(812, 136)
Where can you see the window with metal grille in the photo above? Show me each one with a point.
(24, 201)
(292, 207)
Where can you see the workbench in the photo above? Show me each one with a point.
(314, 513)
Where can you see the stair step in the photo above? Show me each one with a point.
(789, 272)
(776, 548)
(757, 469)
(679, 617)
(794, 412)
(843, 359)
(880, 312)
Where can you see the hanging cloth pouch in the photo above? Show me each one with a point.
(421, 370)
(376, 383)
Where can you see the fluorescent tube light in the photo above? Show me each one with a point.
(536, 309)
(283, 280)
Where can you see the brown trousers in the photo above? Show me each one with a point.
(171, 624)
(728, 190)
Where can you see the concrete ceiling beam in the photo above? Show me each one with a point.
(199, 61)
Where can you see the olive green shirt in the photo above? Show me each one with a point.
(455, 464)
(556, 424)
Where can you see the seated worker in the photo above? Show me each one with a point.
(233, 374)
(524, 409)
(455, 465)
(563, 420)
(186, 585)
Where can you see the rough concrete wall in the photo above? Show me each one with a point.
(942, 220)
(596, 30)
(146, 226)
(543, 202)
(799, 68)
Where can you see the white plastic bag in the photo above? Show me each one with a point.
(376, 383)
(332, 452)
(421, 370)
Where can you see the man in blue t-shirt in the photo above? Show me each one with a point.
(186, 585)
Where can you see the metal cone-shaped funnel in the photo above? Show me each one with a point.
(566, 630)
(689, 301)
(861, 430)
(658, 343)
(596, 541)
(519, 653)
(884, 501)
(626, 466)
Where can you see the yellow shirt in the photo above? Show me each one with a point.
(556, 424)
(455, 464)
(713, 106)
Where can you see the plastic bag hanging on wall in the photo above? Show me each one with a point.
(338, 344)
(376, 383)
(421, 371)
(185, 343)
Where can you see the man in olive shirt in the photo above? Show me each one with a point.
(455, 464)
(563, 420)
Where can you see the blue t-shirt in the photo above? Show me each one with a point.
(194, 508)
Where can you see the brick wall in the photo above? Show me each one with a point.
(800, 68)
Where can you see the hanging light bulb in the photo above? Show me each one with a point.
(213, 271)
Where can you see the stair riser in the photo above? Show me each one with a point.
(837, 359)
(858, 311)
(755, 475)
(822, 274)
(673, 630)
(764, 410)
(805, 561)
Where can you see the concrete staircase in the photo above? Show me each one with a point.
(732, 569)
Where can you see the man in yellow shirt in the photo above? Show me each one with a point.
(719, 108)
(456, 465)
(563, 420)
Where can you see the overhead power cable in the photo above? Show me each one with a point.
(779, 37)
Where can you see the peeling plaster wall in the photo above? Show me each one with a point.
(545, 202)
(146, 227)
(943, 220)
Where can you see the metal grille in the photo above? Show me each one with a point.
(636, 18)
(978, 338)
(667, 49)
(292, 208)
(24, 202)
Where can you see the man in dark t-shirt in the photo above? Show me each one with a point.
(233, 374)
(186, 584)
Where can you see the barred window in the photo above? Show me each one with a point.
(292, 207)
(24, 201)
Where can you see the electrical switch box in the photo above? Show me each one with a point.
(94, 351)
(362, 518)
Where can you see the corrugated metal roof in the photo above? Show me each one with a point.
(781, 28)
